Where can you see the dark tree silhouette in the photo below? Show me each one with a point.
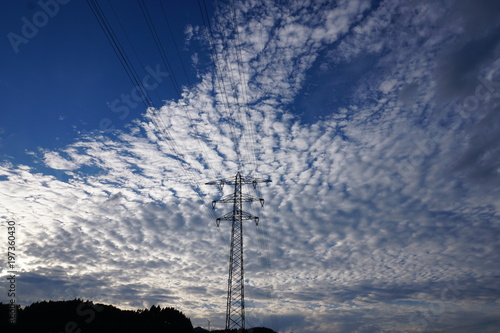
(78, 316)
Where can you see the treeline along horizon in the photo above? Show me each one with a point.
(78, 316)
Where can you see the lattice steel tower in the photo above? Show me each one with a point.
(235, 310)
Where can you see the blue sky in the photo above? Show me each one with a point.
(377, 121)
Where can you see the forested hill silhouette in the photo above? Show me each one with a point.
(78, 316)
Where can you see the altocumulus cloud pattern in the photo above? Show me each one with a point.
(378, 122)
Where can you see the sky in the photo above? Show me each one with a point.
(377, 122)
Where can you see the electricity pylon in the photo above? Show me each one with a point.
(235, 309)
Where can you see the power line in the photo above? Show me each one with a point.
(119, 51)
(159, 46)
(226, 56)
(239, 91)
(161, 50)
(131, 44)
(173, 40)
(134, 78)
(219, 78)
(243, 84)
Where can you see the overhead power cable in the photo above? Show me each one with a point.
(175, 43)
(136, 82)
(230, 52)
(226, 55)
(243, 80)
(219, 78)
(131, 44)
(119, 51)
(161, 51)
(159, 46)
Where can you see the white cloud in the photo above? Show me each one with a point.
(55, 161)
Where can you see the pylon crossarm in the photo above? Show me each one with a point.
(241, 180)
(254, 181)
(244, 216)
(261, 180)
(215, 182)
(230, 198)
